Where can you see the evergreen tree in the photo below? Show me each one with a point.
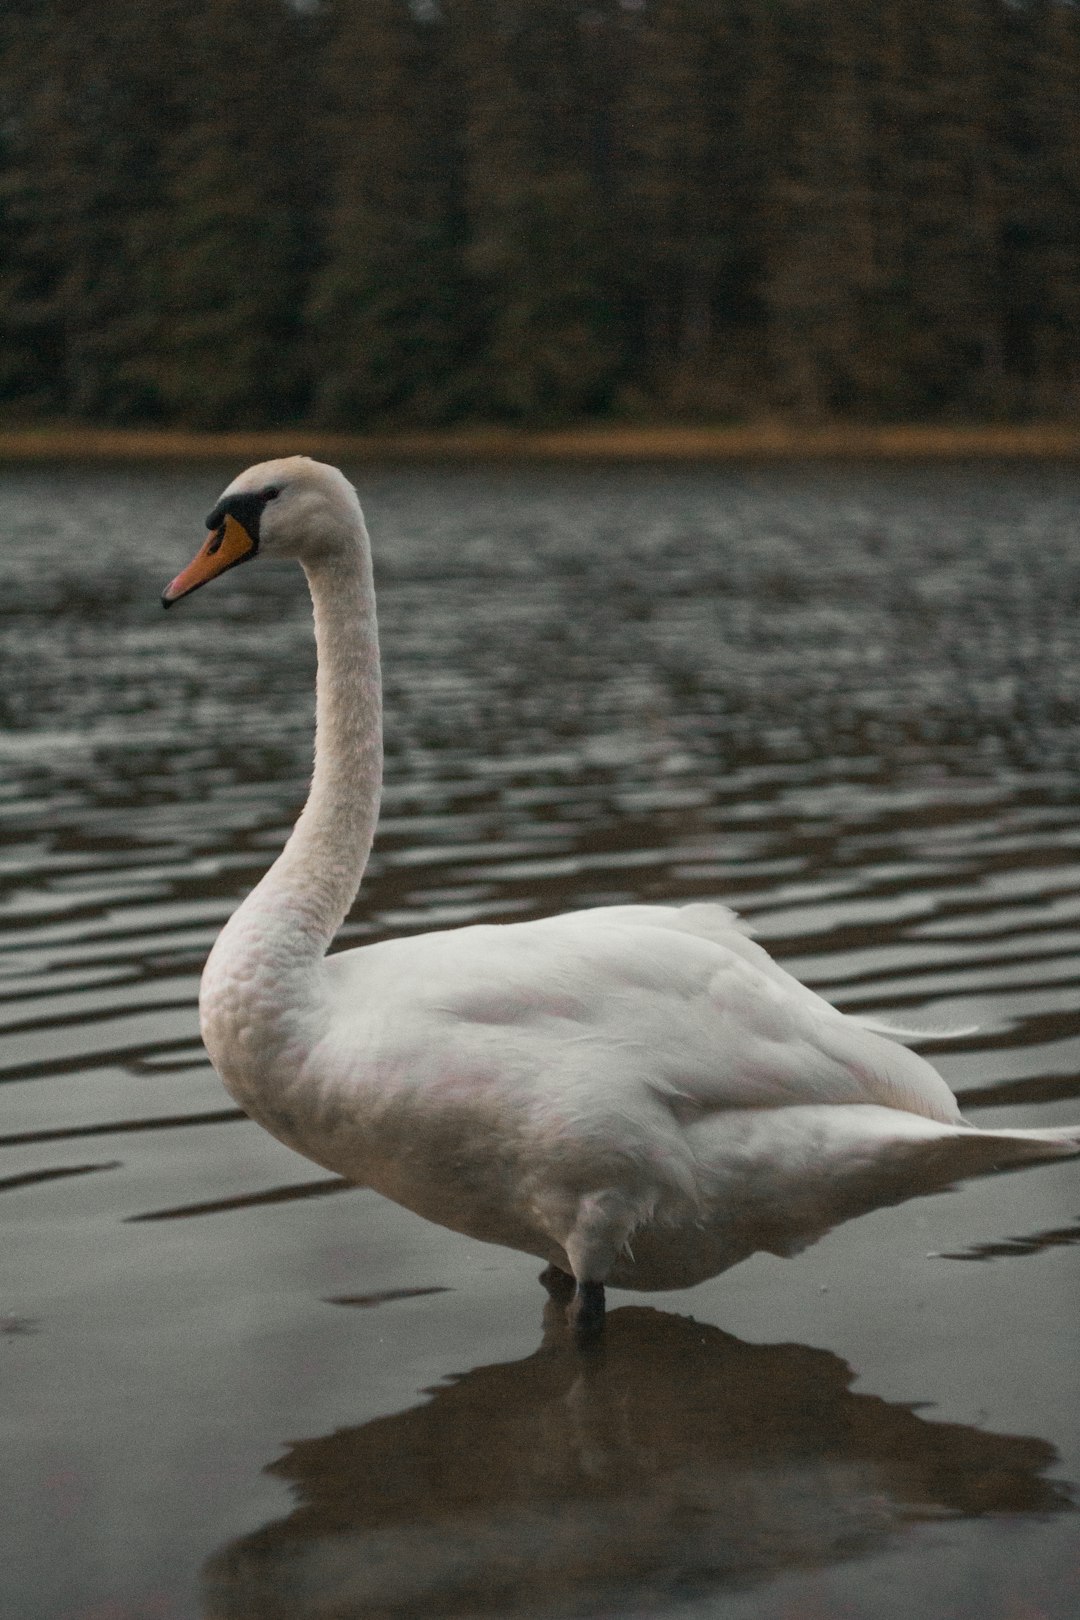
(547, 342)
(232, 212)
(387, 316)
(243, 177)
(688, 188)
(953, 339)
(90, 106)
(1038, 267)
(822, 275)
(32, 263)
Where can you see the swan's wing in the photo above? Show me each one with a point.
(769, 1041)
(710, 920)
(599, 1003)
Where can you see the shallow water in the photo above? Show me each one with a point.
(847, 702)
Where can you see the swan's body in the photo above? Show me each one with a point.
(635, 1094)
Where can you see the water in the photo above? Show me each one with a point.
(847, 702)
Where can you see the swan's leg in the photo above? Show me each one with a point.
(602, 1227)
(579, 1306)
(585, 1313)
(559, 1284)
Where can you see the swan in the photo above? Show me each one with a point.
(635, 1094)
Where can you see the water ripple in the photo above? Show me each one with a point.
(852, 711)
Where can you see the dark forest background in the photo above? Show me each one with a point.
(359, 213)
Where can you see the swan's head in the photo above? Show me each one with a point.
(294, 508)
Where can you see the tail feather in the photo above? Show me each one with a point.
(974, 1152)
(913, 1032)
(923, 1157)
(1023, 1146)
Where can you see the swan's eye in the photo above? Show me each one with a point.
(272, 493)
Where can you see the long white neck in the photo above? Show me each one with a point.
(315, 879)
(264, 969)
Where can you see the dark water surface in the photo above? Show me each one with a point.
(845, 701)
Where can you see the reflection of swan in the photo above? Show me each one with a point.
(681, 1460)
(635, 1094)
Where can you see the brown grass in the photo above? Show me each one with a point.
(759, 441)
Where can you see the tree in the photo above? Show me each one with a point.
(683, 174)
(1038, 150)
(387, 311)
(230, 212)
(89, 109)
(242, 178)
(547, 341)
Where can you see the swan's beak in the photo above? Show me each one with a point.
(226, 547)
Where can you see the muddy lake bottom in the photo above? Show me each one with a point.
(845, 701)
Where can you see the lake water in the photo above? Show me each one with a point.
(845, 701)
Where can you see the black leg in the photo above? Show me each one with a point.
(585, 1313)
(559, 1284)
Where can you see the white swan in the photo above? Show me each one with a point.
(637, 1094)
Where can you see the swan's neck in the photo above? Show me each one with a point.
(264, 967)
(314, 881)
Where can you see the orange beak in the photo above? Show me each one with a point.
(226, 547)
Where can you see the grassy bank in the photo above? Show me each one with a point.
(762, 441)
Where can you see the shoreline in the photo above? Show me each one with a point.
(601, 443)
